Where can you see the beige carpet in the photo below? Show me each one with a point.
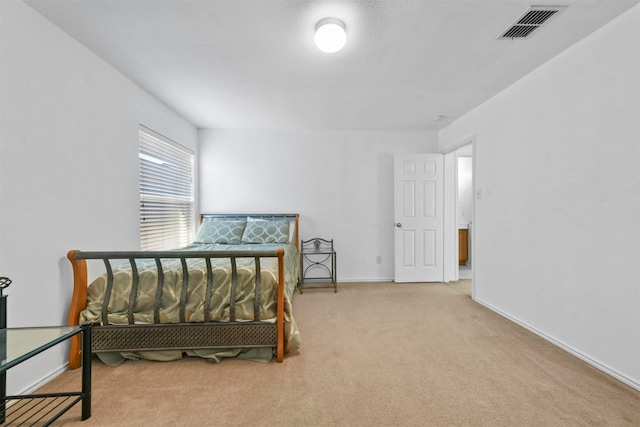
(463, 285)
(374, 354)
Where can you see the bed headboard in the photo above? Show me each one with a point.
(292, 218)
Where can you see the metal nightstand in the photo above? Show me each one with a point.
(317, 263)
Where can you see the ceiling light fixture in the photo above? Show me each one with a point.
(331, 35)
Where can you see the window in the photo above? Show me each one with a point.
(166, 193)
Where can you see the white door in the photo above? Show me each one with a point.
(419, 217)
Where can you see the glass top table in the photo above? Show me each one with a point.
(19, 344)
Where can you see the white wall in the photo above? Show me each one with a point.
(68, 167)
(557, 230)
(341, 183)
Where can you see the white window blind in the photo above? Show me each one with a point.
(166, 193)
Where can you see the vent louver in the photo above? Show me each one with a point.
(531, 20)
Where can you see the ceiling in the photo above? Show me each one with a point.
(252, 64)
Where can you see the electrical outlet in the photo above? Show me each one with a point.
(378, 259)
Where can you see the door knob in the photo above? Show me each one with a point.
(397, 224)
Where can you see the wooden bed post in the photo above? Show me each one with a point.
(280, 314)
(78, 303)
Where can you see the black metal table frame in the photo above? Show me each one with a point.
(83, 396)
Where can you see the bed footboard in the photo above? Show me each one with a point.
(173, 336)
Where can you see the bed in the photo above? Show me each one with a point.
(203, 300)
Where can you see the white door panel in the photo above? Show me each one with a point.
(418, 211)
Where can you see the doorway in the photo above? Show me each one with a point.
(464, 211)
(460, 224)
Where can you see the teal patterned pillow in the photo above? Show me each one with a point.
(266, 232)
(229, 232)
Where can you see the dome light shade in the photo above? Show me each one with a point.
(330, 35)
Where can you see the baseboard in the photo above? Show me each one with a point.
(600, 366)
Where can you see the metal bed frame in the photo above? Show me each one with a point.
(179, 336)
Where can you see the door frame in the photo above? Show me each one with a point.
(451, 212)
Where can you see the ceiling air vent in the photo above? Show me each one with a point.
(533, 18)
